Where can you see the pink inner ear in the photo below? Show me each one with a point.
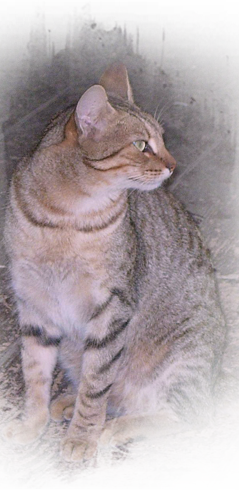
(93, 110)
(116, 82)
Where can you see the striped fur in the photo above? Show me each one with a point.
(111, 280)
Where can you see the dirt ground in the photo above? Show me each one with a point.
(200, 131)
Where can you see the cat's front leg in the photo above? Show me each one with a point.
(39, 354)
(101, 359)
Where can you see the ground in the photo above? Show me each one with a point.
(183, 62)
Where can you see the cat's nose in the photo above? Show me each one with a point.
(169, 161)
(171, 165)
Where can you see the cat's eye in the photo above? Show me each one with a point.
(140, 144)
(143, 146)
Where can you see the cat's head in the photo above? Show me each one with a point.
(117, 138)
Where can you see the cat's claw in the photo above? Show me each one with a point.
(22, 433)
(74, 450)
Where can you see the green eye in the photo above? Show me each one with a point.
(140, 144)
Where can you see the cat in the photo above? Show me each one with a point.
(110, 276)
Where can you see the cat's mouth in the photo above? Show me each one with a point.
(150, 179)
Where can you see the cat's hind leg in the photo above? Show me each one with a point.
(133, 428)
(39, 355)
(187, 405)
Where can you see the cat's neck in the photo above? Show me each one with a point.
(57, 198)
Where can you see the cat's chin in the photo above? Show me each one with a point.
(149, 186)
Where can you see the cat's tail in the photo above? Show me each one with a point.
(226, 394)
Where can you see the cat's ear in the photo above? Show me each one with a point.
(93, 112)
(116, 82)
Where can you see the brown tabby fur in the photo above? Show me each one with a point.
(111, 280)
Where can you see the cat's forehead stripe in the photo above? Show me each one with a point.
(134, 111)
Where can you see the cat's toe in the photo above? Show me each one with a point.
(21, 433)
(62, 408)
(12, 431)
(68, 412)
(74, 450)
(115, 433)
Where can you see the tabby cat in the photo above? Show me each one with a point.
(110, 280)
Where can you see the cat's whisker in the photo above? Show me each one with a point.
(155, 112)
(166, 107)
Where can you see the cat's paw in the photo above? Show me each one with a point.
(73, 450)
(23, 432)
(62, 407)
(117, 432)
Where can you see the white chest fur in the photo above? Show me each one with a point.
(61, 292)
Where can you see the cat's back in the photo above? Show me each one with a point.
(166, 228)
(168, 242)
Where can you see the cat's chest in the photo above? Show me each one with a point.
(63, 284)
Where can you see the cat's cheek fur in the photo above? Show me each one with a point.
(148, 182)
(152, 182)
